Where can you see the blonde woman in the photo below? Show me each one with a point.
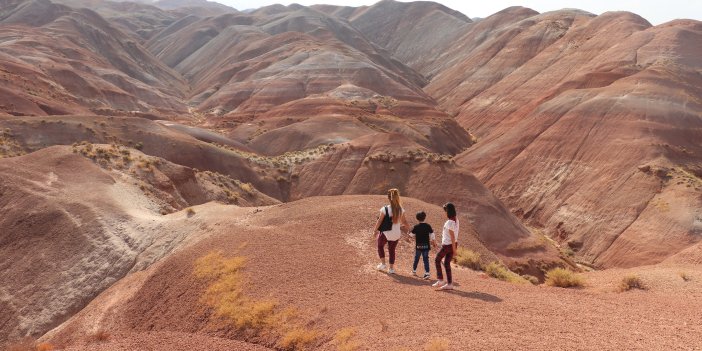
(388, 229)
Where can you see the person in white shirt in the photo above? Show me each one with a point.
(389, 230)
(449, 241)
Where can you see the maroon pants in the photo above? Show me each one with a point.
(391, 247)
(447, 253)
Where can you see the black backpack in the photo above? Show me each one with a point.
(386, 225)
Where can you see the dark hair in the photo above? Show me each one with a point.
(421, 216)
(450, 210)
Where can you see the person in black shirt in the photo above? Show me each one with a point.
(423, 235)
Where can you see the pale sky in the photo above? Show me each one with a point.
(655, 11)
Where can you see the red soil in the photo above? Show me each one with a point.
(329, 277)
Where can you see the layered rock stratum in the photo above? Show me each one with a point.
(138, 138)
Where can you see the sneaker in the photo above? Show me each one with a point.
(414, 273)
(447, 287)
(381, 267)
(391, 271)
(438, 283)
(426, 276)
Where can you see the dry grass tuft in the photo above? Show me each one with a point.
(468, 258)
(531, 279)
(499, 271)
(437, 344)
(246, 187)
(44, 346)
(225, 295)
(631, 282)
(384, 326)
(30, 345)
(298, 339)
(685, 277)
(343, 340)
(9, 147)
(564, 278)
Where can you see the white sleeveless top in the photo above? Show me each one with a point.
(393, 234)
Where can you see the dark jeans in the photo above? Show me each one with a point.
(391, 247)
(425, 256)
(447, 252)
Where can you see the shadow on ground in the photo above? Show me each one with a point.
(473, 295)
(421, 282)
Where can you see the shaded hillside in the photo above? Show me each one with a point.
(142, 21)
(276, 64)
(76, 220)
(58, 60)
(417, 33)
(162, 140)
(596, 142)
(200, 8)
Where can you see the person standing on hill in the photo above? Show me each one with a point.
(388, 229)
(449, 241)
(424, 237)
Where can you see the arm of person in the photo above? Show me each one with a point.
(453, 240)
(432, 237)
(377, 223)
(404, 223)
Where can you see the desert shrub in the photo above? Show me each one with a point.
(145, 164)
(139, 145)
(685, 277)
(225, 294)
(231, 196)
(468, 258)
(343, 340)
(563, 278)
(499, 271)
(190, 212)
(436, 344)
(298, 339)
(631, 282)
(246, 187)
(531, 279)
